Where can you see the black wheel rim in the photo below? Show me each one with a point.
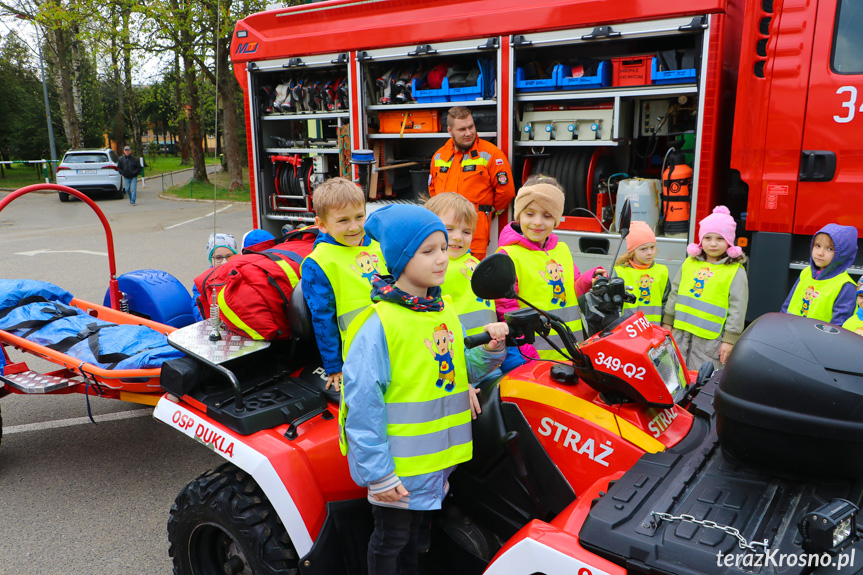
(212, 550)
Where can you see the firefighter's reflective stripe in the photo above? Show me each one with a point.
(702, 301)
(234, 318)
(815, 298)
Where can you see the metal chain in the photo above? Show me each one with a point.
(741, 540)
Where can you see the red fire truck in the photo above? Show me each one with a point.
(677, 106)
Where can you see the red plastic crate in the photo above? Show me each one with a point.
(632, 70)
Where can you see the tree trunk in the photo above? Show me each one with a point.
(132, 101)
(119, 136)
(182, 120)
(227, 91)
(65, 54)
(196, 138)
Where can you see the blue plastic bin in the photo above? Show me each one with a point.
(684, 76)
(546, 85)
(601, 80)
(468, 93)
(429, 95)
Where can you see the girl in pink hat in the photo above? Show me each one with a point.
(638, 269)
(709, 294)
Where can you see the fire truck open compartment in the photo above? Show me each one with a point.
(595, 93)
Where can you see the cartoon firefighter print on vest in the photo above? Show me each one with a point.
(809, 296)
(644, 288)
(467, 271)
(441, 348)
(700, 279)
(367, 266)
(553, 276)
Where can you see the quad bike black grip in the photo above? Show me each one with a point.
(476, 339)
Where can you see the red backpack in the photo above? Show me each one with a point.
(253, 289)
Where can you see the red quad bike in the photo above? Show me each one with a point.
(621, 461)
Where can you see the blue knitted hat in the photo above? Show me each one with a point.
(254, 237)
(401, 229)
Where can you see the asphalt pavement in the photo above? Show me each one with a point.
(76, 497)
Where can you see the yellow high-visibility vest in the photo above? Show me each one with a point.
(815, 298)
(545, 279)
(427, 399)
(702, 302)
(350, 270)
(648, 287)
(473, 312)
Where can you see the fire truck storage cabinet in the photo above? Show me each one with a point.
(590, 106)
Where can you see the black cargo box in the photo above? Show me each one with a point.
(791, 398)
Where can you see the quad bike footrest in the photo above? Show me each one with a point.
(33, 382)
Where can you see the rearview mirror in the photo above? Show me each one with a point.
(494, 277)
(625, 219)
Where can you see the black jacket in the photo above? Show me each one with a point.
(129, 166)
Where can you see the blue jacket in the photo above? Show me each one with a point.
(367, 369)
(845, 252)
(319, 295)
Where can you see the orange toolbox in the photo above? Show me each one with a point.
(631, 70)
(413, 122)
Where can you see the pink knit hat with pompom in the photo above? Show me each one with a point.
(719, 222)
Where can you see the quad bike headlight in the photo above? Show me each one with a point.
(667, 364)
(830, 528)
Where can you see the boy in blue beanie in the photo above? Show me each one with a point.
(407, 402)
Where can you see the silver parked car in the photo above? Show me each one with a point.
(90, 171)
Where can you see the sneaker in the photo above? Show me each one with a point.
(133, 203)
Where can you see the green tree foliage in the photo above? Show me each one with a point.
(23, 132)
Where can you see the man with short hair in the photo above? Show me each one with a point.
(129, 167)
(474, 168)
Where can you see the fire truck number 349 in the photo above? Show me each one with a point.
(850, 104)
(614, 364)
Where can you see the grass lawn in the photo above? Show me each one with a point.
(200, 191)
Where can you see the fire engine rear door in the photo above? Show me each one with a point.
(831, 162)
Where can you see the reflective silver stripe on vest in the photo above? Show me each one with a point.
(696, 303)
(427, 411)
(650, 309)
(485, 156)
(567, 314)
(478, 318)
(711, 326)
(346, 318)
(429, 443)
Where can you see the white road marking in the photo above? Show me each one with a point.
(39, 252)
(27, 427)
(201, 218)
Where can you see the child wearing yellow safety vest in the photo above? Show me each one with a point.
(337, 276)
(709, 294)
(824, 290)
(855, 322)
(648, 279)
(547, 276)
(407, 400)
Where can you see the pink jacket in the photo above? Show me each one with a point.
(512, 236)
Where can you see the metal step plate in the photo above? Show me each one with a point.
(195, 340)
(32, 382)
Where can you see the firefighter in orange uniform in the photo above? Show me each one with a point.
(477, 170)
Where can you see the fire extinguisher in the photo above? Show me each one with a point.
(676, 193)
